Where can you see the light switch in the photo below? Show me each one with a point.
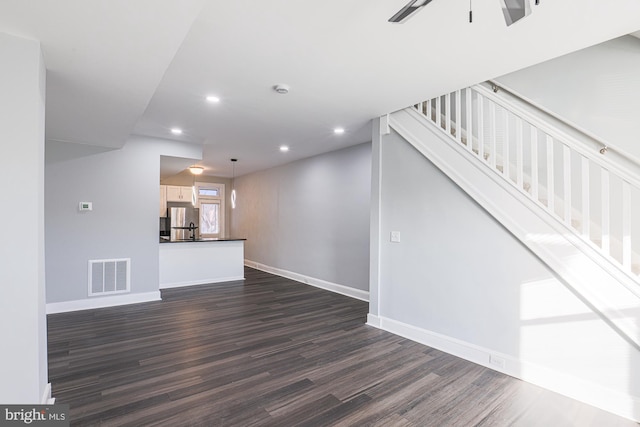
(395, 236)
(85, 206)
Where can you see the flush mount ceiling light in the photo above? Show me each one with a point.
(176, 131)
(213, 99)
(281, 89)
(196, 170)
(284, 148)
(338, 131)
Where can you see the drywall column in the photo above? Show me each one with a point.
(23, 328)
(380, 126)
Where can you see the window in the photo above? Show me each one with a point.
(208, 192)
(209, 217)
(211, 205)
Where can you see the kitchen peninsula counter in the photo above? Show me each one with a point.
(202, 261)
(206, 239)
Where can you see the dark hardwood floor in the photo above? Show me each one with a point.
(272, 352)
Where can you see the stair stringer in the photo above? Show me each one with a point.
(612, 294)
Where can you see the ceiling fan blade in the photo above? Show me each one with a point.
(406, 12)
(515, 10)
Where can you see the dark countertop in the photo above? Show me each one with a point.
(206, 239)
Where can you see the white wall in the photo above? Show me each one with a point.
(459, 277)
(597, 89)
(123, 186)
(23, 359)
(310, 217)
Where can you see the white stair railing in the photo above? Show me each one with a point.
(567, 173)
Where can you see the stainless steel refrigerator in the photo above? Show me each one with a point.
(184, 221)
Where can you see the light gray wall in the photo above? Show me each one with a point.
(123, 187)
(459, 273)
(310, 217)
(23, 328)
(597, 89)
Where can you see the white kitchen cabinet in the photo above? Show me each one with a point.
(163, 201)
(178, 194)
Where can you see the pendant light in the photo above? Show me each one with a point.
(195, 171)
(233, 184)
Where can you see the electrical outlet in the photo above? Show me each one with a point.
(496, 361)
(395, 236)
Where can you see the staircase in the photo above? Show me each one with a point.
(572, 199)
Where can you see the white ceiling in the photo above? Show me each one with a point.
(122, 67)
(104, 59)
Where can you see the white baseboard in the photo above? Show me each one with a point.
(373, 320)
(46, 396)
(318, 283)
(199, 282)
(622, 404)
(101, 302)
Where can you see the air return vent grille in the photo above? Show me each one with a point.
(108, 276)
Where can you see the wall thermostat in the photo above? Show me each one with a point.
(85, 206)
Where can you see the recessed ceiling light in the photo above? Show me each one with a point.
(176, 131)
(213, 99)
(338, 131)
(284, 148)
